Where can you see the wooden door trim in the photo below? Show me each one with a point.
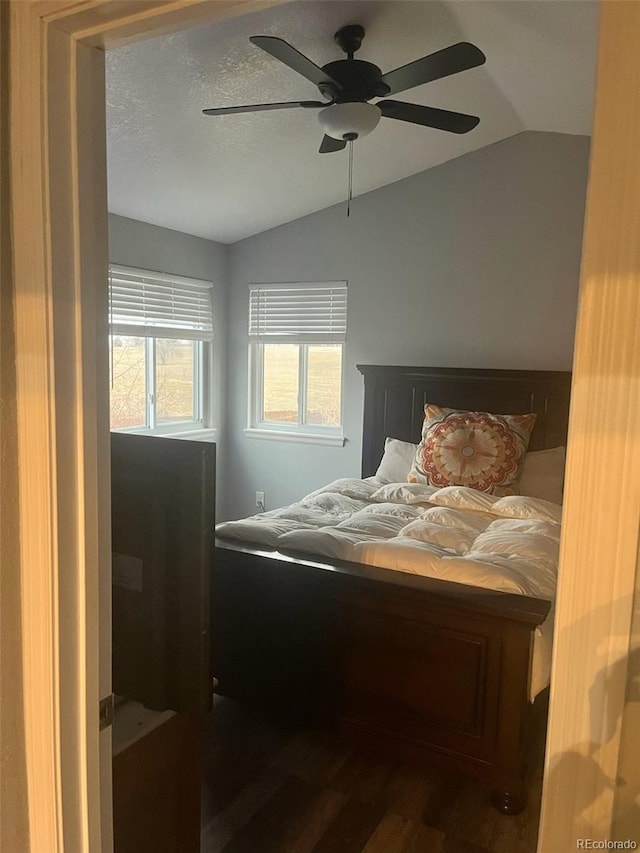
(601, 515)
(63, 516)
(57, 145)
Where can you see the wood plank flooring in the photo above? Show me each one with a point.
(273, 788)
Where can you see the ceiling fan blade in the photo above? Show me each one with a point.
(330, 144)
(283, 51)
(428, 116)
(256, 108)
(450, 60)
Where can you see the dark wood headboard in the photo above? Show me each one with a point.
(394, 399)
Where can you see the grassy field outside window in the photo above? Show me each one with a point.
(155, 382)
(302, 384)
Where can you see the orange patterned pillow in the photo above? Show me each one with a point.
(475, 449)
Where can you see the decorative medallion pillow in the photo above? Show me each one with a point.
(475, 449)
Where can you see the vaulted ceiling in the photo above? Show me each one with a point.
(225, 178)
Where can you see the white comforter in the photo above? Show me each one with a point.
(458, 534)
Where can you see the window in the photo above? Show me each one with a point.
(161, 330)
(296, 342)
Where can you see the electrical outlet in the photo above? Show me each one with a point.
(260, 500)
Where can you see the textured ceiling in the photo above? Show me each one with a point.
(228, 177)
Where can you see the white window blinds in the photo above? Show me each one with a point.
(298, 313)
(146, 303)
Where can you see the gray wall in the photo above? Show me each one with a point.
(474, 263)
(139, 244)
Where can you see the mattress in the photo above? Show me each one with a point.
(509, 544)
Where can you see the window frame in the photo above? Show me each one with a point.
(202, 403)
(257, 426)
(203, 396)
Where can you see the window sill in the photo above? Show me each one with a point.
(194, 434)
(296, 437)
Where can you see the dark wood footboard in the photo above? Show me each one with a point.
(428, 670)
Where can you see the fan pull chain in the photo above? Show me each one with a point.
(350, 189)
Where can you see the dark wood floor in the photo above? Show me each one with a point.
(273, 788)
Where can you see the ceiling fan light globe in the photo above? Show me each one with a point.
(341, 121)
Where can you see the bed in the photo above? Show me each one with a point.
(425, 669)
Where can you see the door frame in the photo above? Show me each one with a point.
(59, 262)
(59, 254)
(599, 584)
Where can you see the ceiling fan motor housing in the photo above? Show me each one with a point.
(360, 81)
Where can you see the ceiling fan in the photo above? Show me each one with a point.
(350, 84)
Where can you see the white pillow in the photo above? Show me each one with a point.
(543, 474)
(396, 461)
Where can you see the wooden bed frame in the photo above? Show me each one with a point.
(430, 670)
